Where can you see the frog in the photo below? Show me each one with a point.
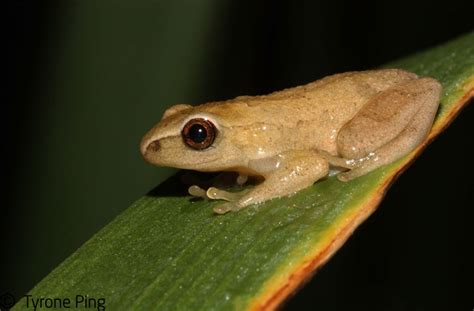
(346, 124)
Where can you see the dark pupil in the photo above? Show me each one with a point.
(197, 133)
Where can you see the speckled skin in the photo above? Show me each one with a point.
(355, 120)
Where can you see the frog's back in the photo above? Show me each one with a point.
(367, 83)
(345, 92)
(314, 112)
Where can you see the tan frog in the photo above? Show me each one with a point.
(355, 121)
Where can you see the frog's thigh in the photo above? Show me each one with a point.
(371, 136)
(386, 115)
(297, 170)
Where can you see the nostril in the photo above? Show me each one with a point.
(154, 146)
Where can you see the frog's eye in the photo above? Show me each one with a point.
(199, 133)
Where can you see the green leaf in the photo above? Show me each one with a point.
(168, 251)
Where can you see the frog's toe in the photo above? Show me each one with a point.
(197, 191)
(218, 194)
(242, 179)
(223, 208)
(226, 207)
(349, 175)
(343, 176)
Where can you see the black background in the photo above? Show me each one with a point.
(414, 253)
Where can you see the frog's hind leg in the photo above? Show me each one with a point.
(390, 126)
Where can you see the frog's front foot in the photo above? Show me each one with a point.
(214, 193)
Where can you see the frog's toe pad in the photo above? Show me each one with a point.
(225, 208)
(218, 194)
(197, 191)
(349, 175)
(242, 179)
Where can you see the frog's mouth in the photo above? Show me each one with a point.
(171, 152)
